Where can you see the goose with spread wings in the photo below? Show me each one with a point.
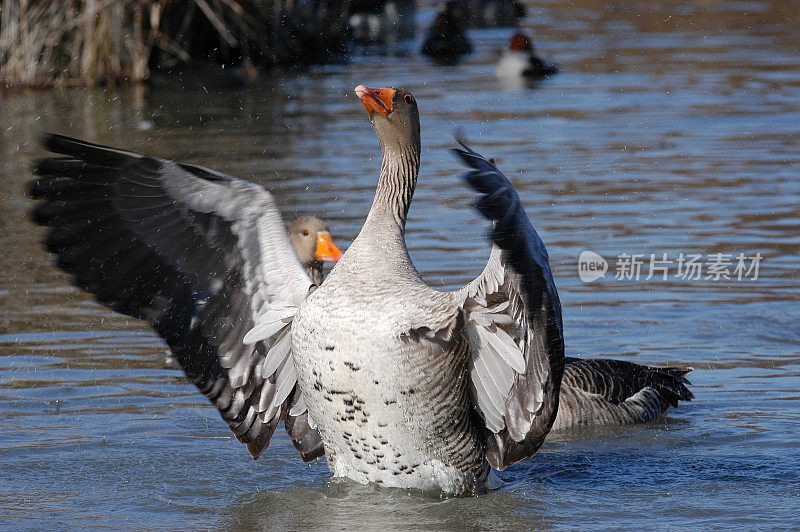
(394, 382)
(415, 388)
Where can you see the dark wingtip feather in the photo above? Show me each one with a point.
(63, 144)
(306, 440)
(66, 145)
(94, 153)
(45, 214)
(54, 166)
(50, 141)
(501, 204)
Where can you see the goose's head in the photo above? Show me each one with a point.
(312, 241)
(394, 115)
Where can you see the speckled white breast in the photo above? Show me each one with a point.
(363, 388)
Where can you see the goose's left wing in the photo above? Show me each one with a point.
(203, 257)
(513, 324)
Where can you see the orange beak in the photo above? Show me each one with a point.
(378, 100)
(326, 249)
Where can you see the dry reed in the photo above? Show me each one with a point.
(84, 42)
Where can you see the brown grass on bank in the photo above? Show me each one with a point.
(84, 42)
(56, 42)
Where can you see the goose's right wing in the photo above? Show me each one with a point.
(513, 324)
(203, 257)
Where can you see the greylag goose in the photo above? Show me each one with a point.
(395, 382)
(393, 372)
(519, 60)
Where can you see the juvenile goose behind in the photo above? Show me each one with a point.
(311, 240)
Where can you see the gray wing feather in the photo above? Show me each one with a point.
(200, 255)
(513, 324)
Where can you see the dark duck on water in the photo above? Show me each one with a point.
(446, 40)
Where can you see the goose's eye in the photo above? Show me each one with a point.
(305, 232)
(409, 100)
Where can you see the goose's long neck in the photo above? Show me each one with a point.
(396, 183)
(381, 244)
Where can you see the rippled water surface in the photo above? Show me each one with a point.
(672, 129)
